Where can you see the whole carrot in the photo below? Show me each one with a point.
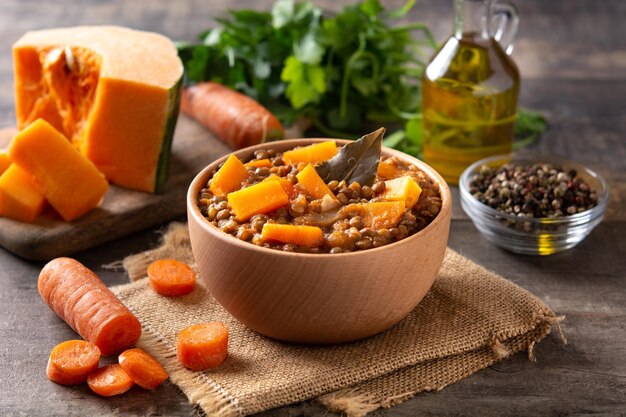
(235, 118)
(82, 300)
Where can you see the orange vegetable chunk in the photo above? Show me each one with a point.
(229, 177)
(20, 196)
(202, 346)
(313, 184)
(110, 380)
(72, 361)
(379, 215)
(171, 278)
(259, 163)
(387, 169)
(259, 198)
(284, 182)
(310, 236)
(5, 160)
(402, 189)
(82, 300)
(69, 181)
(312, 154)
(142, 368)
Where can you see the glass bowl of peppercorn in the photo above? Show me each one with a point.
(533, 204)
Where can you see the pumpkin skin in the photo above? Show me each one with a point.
(114, 92)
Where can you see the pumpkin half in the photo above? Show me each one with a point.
(114, 92)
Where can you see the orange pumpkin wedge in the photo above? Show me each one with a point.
(262, 197)
(259, 163)
(402, 189)
(114, 92)
(313, 184)
(20, 196)
(229, 177)
(312, 154)
(284, 182)
(5, 160)
(69, 181)
(378, 215)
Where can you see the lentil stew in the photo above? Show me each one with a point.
(348, 216)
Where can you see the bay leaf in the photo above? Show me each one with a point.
(356, 161)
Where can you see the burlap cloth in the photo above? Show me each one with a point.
(470, 319)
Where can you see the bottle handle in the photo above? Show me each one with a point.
(505, 17)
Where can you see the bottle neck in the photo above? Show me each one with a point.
(472, 18)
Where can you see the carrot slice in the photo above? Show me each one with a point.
(171, 278)
(202, 346)
(109, 380)
(72, 361)
(310, 236)
(142, 368)
(312, 154)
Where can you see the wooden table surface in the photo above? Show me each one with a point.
(572, 57)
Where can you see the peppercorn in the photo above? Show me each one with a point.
(539, 190)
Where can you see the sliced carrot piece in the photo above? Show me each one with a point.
(310, 236)
(312, 154)
(202, 346)
(110, 380)
(142, 368)
(72, 361)
(259, 163)
(171, 278)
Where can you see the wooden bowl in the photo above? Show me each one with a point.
(317, 298)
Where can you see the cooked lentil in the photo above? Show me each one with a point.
(343, 229)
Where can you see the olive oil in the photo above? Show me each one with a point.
(469, 94)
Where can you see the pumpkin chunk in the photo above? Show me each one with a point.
(284, 182)
(313, 184)
(229, 177)
(259, 163)
(311, 154)
(387, 169)
(309, 236)
(113, 92)
(402, 189)
(20, 196)
(379, 215)
(69, 181)
(5, 160)
(263, 197)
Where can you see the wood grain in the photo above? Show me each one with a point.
(123, 211)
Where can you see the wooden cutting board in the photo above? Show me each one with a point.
(123, 211)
